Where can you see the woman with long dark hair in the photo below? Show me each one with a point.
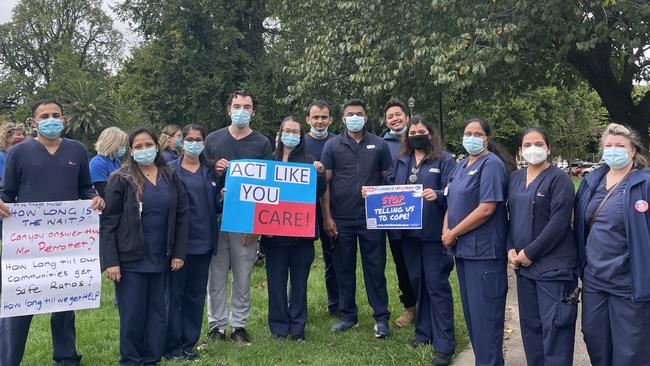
(424, 161)
(290, 257)
(542, 250)
(189, 284)
(143, 234)
(474, 229)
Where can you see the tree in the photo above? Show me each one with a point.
(378, 47)
(87, 108)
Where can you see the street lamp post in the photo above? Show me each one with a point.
(411, 103)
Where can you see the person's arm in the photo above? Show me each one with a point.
(100, 187)
(562, 198)
(386, 163)
(328, 222)
(11, 179)
(182, 221)
(108, 225)
(85, 184)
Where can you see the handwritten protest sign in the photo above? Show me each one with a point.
(394, 207)
(270, 197)
(50, 258)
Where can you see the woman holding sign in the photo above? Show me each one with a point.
(613, 232)
(542, 249)
(475, 229)
(189, 284)
(424, 161)
(290, 256)
(143, 234)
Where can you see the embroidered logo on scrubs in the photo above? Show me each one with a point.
(473, 172)
(641, 206)
(370, 147)
(434, 170)
(540, 194)
(70, 162)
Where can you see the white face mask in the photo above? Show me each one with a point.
(534, 155)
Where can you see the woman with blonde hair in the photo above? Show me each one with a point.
(171, 142)
(110, 147)
(7, 131)
(612, 230)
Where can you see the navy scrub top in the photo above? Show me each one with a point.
(485, 181)
(199, 240)
(607, 251)
(156, 203)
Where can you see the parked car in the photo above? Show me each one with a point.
(578, 170)
(590, 169)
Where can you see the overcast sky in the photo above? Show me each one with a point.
(131, 39)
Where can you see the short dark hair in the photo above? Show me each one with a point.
(320, 103)
(396, 103)
(355, 102)
(241, 93)
(196, 127)
(41, 102)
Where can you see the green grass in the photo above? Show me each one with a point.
(98, 332)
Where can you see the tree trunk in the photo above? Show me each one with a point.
(595, 65)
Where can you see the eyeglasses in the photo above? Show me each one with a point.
(193, 139)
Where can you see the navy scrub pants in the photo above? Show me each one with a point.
(407, 296)
(548, 323)
(189, 286)
(13, 337)
(288, 313)
(429, 267)
(616, 329)
(330, 273)
(142, 308)
(372, 244)
(483, 287)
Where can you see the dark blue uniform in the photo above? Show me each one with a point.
(613, 258)
(189, 284)
(481, 253)
(407, 296)
(540, 225)
(32, 174)
(426, 259)
(354, 165)
(314, 147)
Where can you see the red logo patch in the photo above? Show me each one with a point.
(641, 206)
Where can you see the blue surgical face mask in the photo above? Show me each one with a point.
(354, 123)
(398, 132)
(319, 134)
(179, 143)
(616, 157)
(193, 148)
(473, 145)
(120, 151)
(50, 128)
(240, 118)
(145, 156)
(290, 140)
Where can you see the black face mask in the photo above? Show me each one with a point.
(419, 141)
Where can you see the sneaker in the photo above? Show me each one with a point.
(342, 326)
(240, 335)
(407, 318)
(214, 335)
(172, 357)
(382, 330)
(440, 359)
(190, 356)
(414, 343)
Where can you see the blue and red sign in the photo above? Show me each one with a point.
(270, 198)
(394, 207)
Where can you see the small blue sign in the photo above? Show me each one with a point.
(394, 207)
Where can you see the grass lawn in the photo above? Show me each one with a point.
(98, 332)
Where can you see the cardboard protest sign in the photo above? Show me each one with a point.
(394, 207)
(270, 198)
(50, 258)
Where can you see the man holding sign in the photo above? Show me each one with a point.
(236, 251)
(48, 168)
(354, 159)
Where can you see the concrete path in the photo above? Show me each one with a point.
(512, 344)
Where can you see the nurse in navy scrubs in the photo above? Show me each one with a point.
(424, 161)
(475, 229)
(290, 257)
(542, 249)
(613, 233)
(143, 235)
(189, 284)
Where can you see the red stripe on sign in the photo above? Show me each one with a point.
(285, 219)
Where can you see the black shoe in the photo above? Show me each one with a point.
(279, 336)
(414, 343)
(382, 330)
(173, 357)
(190, 356)
(440, 359)
(214, 335)
(298, 338)
(240, 335)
